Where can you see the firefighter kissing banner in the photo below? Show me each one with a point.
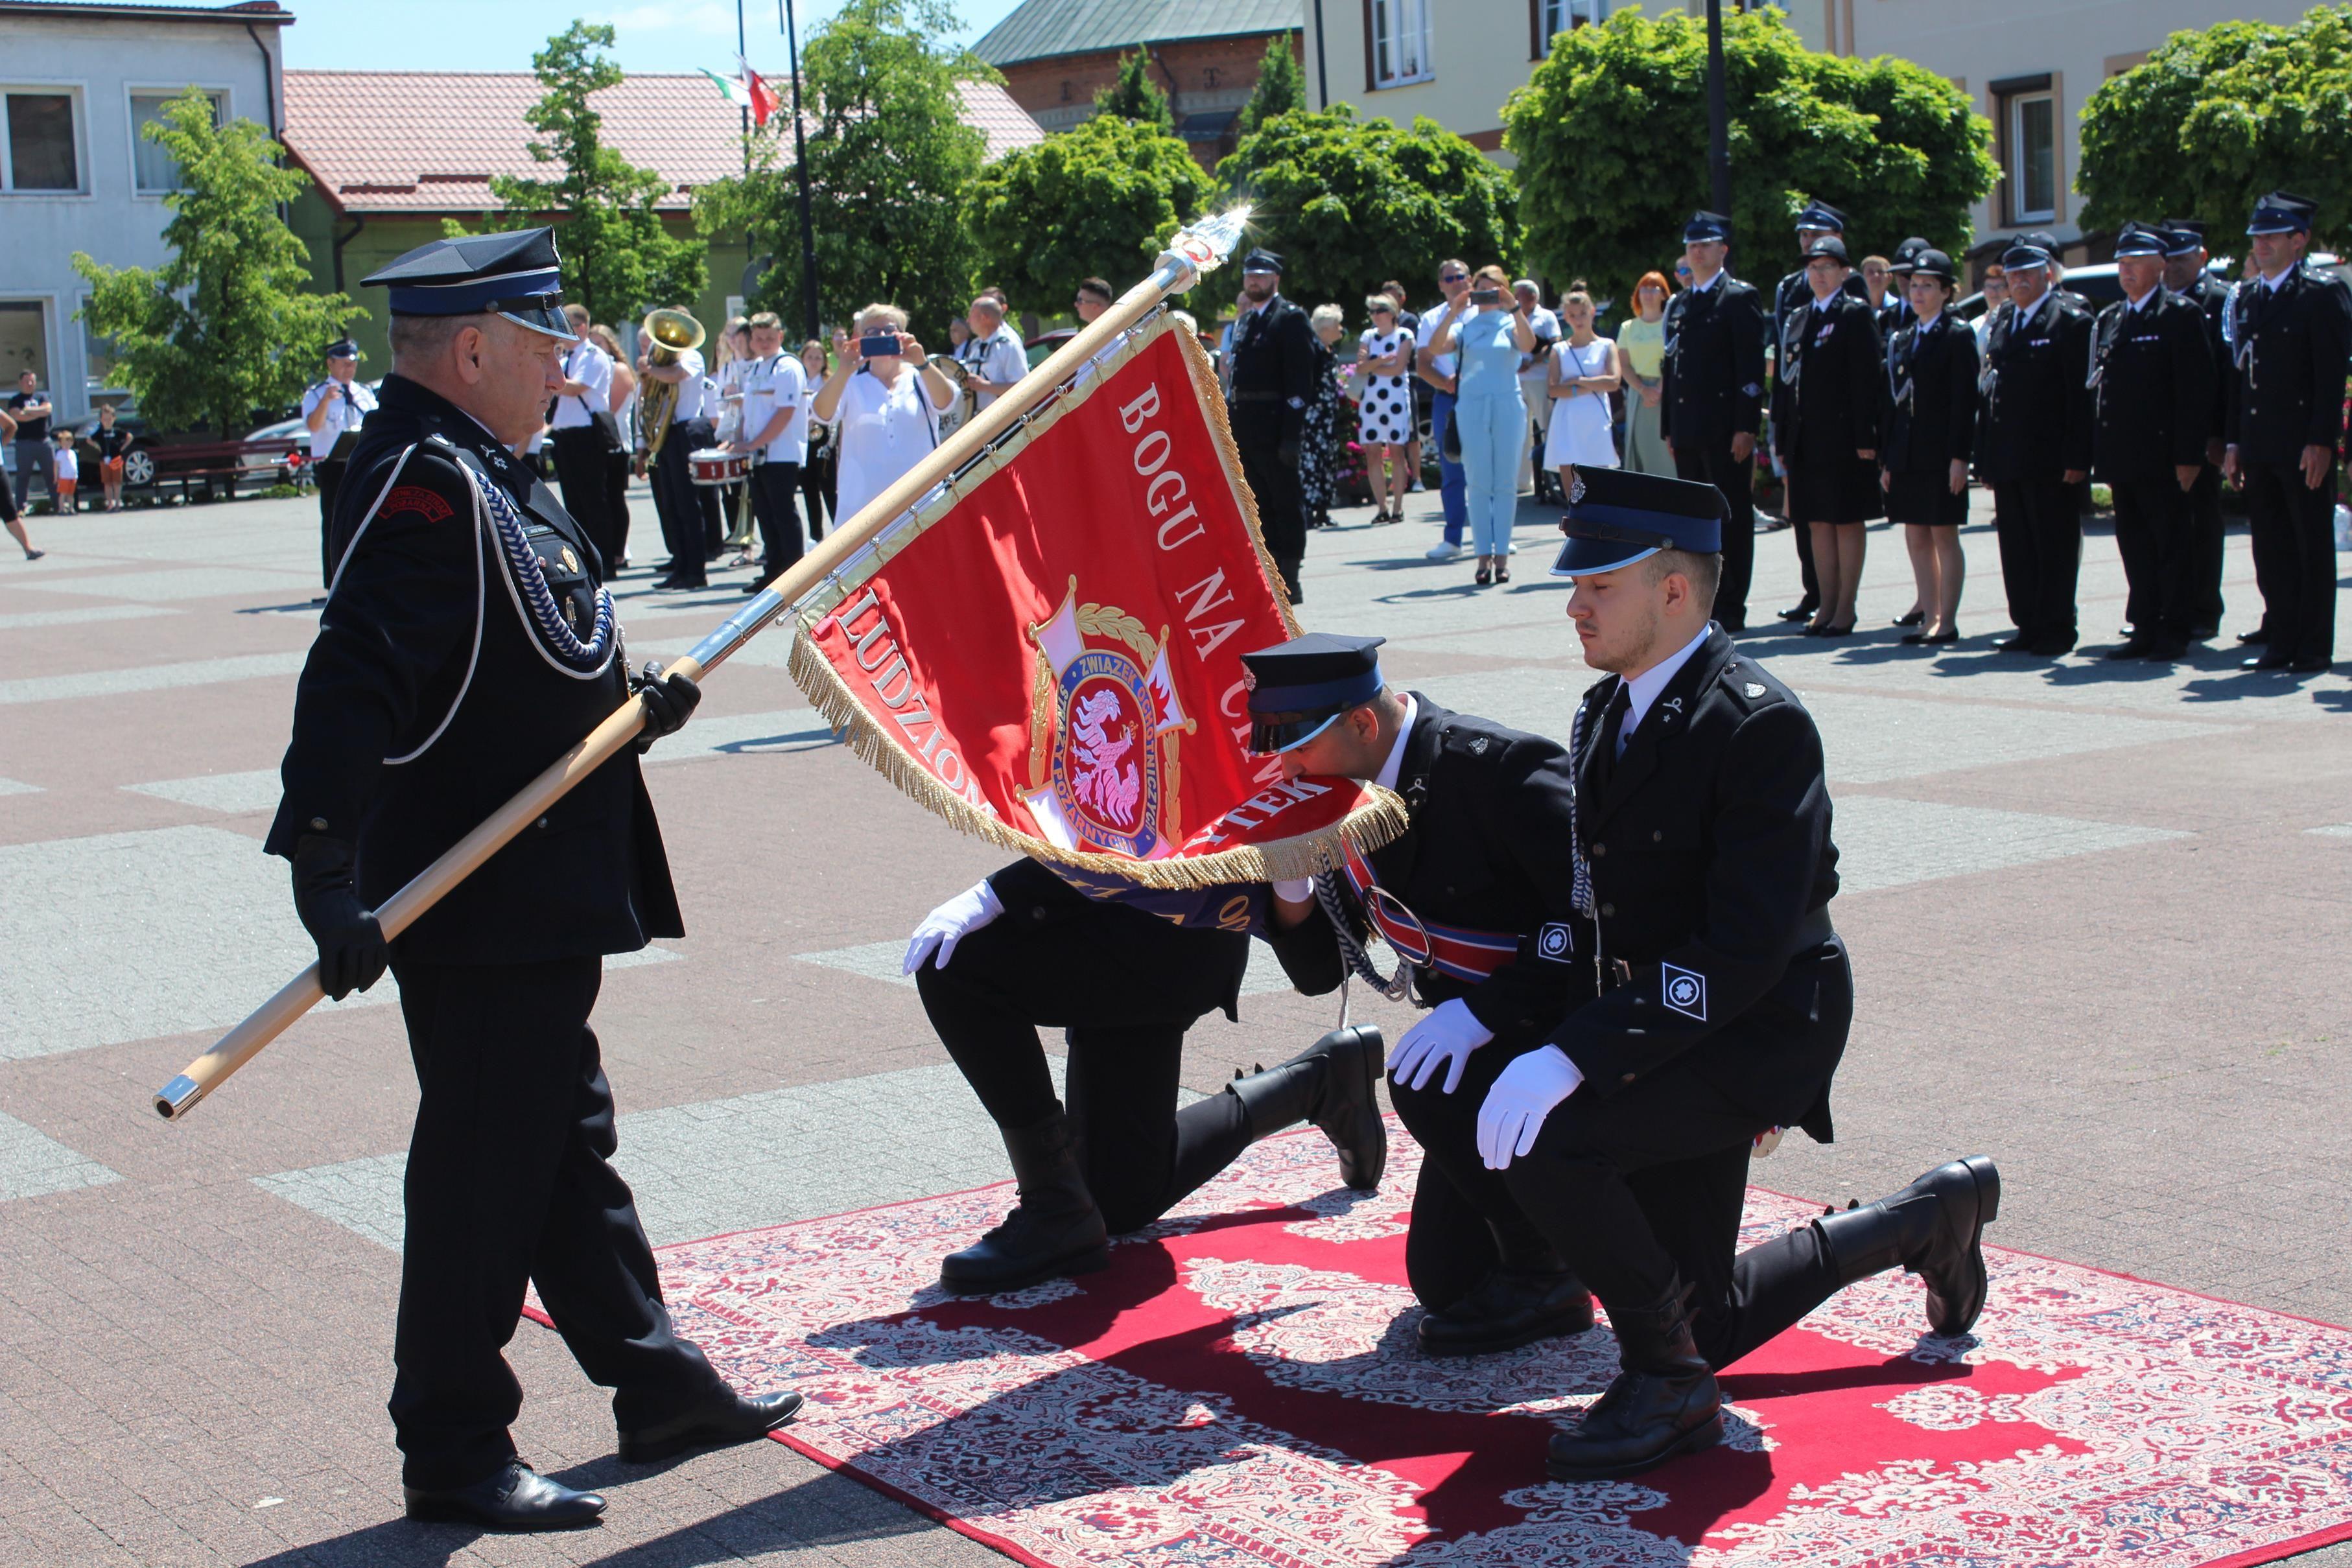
(1048, 654)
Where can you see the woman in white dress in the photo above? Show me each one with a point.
(1584, 372)
(884, 407)
(1384, 407)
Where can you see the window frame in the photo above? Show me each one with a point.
(2019, 172)
(132, 92)
(1373, 11)
(2008, 100)
(1540, 37)
(77, 99)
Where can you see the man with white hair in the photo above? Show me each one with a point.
(993, 359)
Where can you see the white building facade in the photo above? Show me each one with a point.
(77, 83)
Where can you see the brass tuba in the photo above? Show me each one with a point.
(668, 334)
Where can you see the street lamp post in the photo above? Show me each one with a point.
(1718, 114)
(800, 164)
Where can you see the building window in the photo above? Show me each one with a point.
(24, 340)
(1553, 18)
(157, 171)
(98, 357)
(40, 152)
(2029, 151)
(1396, 35)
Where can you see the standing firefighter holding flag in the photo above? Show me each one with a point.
(467, 643)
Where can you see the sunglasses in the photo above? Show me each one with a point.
(1452, 277)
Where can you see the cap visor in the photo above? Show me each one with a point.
(1590, 557)
(1272, 739)
(549, 321)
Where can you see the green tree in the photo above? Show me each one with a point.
(1349, 202)
(1610, 135)
(2213, 119)
(618, 259)
(229, 325)
(1095, 201)
(1281, 87)
(1133, 95)
(889, 162)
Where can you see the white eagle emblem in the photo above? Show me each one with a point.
(1103, 732)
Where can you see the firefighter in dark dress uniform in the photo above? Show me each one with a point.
(1476, 898)
(2152, 386)
(2291, 332)
(1273, 386)
(1790, 296)
(2034, 443)
(1716, 1007)
(1893, 315)
(465, 645)
(1125, 970)
(2186, 274)
(1713, 398)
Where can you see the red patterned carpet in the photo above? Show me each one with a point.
(1240, 1388)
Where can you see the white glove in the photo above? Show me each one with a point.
(1522, 1095)
(1449, 1033)
(1298, 891)
(949, 923)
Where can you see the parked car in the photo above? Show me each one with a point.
(156, 461)
(1045, 343)
(2096, 282)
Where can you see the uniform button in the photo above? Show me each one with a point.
(1658, 836)
(1601, 849)
(318, 824)
(1038, 914)
(1639, 1000)
(540, 823)
(1608, 909)
(1627, 1079)
(1449, 889)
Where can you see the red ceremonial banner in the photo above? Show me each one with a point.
(1049, 652)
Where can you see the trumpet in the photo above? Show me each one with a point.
(671, 334)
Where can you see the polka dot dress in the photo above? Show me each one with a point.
(1384, 413)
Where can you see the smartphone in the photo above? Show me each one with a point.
(877, 345)
(1485, 297)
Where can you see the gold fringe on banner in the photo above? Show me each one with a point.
(1380, 820)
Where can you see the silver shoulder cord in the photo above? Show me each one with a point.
(1580, 896)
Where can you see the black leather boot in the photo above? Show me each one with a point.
(1663, 1404)
(1333, 1084)
(1531, 1294)
(1054, 1229)
(1934, 1229)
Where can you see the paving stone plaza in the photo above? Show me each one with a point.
(2098, 912)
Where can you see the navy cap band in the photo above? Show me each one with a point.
(1270, 738)
(1624, 525)
(475, 295)
(1320, 698)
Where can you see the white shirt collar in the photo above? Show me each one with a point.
(1395, 764)
(1720, 274)
(1642, 689)
(2025, 313)
(2134, 305)
(2272, 283)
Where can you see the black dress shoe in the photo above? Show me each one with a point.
(2312, 664)
(2260, 634)
(1934, 1229)
(1805, 612)
(2267, 661)
(2051, 647)
(2164, 650)
(2129, 648)
(1507, 1309)
(2203, 634)
(1940, 638)
(1334, 1083)
(1916, 617)
(516, 1499)
(1664, 1403)
(730, 1418)
(2021, 644)
(675, 587)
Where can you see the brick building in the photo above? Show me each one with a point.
(1204, 54)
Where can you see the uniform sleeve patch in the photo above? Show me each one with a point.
(1683, 992)
(416, 498)
(1556, 942)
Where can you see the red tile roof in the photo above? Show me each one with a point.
(428, 141)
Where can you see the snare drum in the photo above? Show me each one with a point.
(713, 466)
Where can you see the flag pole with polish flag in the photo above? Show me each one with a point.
(1068, 583)
(746, 90)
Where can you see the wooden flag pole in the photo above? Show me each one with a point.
(1192, 253)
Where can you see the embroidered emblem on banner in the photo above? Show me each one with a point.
(1555, 942)
(1683, 992)
(1103, 733)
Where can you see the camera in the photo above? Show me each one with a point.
(877, 345)
(1485, 297)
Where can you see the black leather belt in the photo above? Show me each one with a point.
(1815, 931)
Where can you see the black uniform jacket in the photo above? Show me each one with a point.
(1274, 372)
(430, 697)
(1488, 848)
(2152, 388)
(1931, 374)
(2211, 295)
(1840, 371)
(2036, 421)
(1156, 933)
(1714, 364)
(2290, 346)
(1712, 871)
(1792, 294)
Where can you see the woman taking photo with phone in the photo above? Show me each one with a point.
(1931, 376)
(1837, 375)
(1490, 414)
(883, 399)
